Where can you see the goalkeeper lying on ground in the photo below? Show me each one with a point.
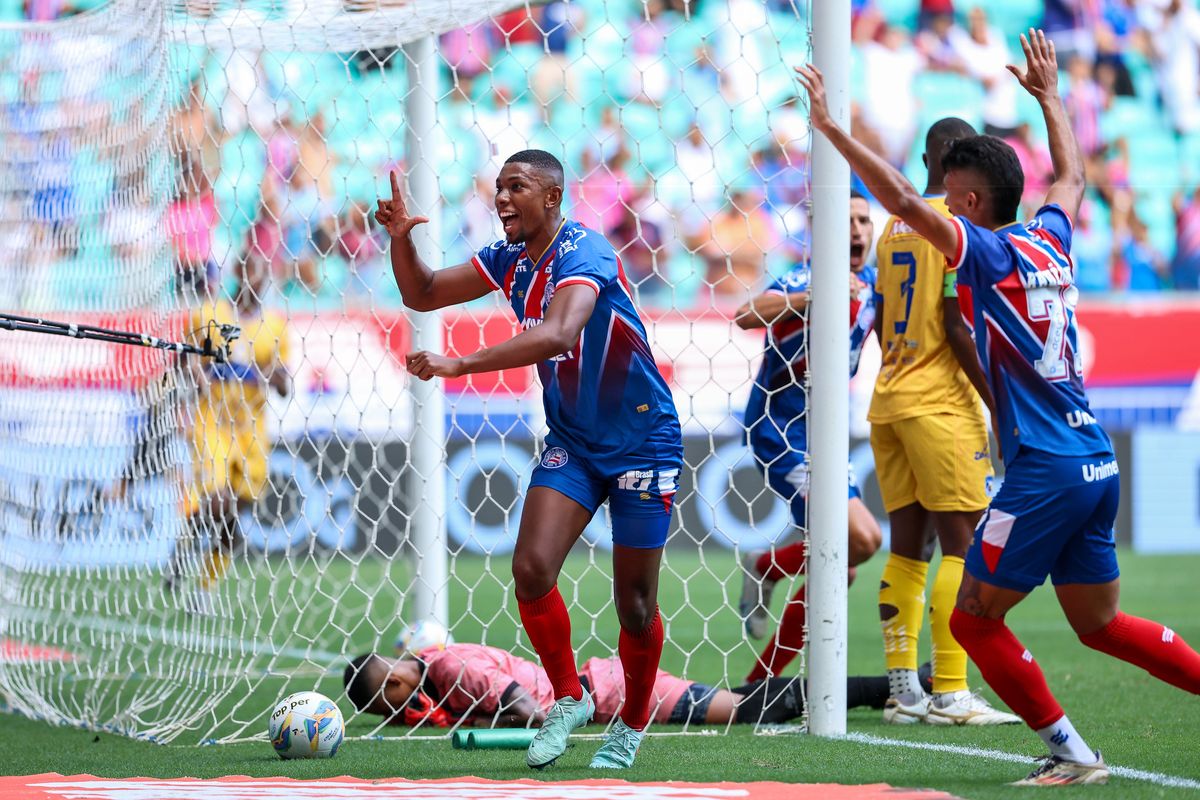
(489, 686)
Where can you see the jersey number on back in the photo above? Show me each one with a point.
(906, 259)
(1048, 304)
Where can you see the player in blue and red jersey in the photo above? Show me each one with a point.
(777, 431)
(1054, 515)
(614, 431)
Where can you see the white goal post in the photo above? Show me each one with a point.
(182, 543)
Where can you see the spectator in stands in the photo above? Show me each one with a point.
(640, 243)
(889, 66)
(983, 51)
(936, 43)
(1176, 39)
(1035, 163)
(1137, 265)
(601, 195)
(1185, 270)
(734, 255)
(191, 216)
(1084, 100)
(933, 14)
(1069, 25)
(1091, 249)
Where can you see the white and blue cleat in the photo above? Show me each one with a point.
(565, 716)
(619, 749)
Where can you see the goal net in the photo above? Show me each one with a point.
(185, 541)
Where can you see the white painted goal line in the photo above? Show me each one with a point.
(1156, 778)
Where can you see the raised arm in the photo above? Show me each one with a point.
(568, 313)
(422, 288)
(1040, 79)
(888, 184)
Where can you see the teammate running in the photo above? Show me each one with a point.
(777, 430)
(931, 457)
(1054, 515)
(614, 432)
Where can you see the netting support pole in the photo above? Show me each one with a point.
(427, 445)
(829, 359)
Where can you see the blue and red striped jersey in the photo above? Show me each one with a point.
(778, 392)
(1022, 280)
(605, 396)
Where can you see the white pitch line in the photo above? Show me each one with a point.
(1000, 755)
(177, 638)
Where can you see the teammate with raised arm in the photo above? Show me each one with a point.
(614, 431)
(931, 457)
(777, 431)
(1054, 515)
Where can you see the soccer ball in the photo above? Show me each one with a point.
(306, 725)
(422, 635)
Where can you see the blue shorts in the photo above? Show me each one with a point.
(1053, 516)
(641, 494)
(787, 471)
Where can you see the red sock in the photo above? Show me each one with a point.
(640, 654)
(775, 565)
(1007, 667)
(1151, 646)
(548, 626)
(787, 642)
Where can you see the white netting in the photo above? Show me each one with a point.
(683, 143)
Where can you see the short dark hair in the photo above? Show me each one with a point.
(540, 160)
(359, 690)
(999, 166)
(855, 194)
(942, 133)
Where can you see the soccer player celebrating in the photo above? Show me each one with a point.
(931, 457)
(1054, 515)
(476, 684)
(614, 432)
(777, 430)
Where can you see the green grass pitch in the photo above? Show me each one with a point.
(1138, 722)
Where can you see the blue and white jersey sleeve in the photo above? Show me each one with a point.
(1053, 220)
(494, 261)
(586, 258)
(797, 279)
(980, 259)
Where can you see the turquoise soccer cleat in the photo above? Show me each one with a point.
(619, 749)
(550, 742)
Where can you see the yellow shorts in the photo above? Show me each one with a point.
(227, 460)
(941, 461)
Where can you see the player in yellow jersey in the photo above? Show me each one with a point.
(931, 457)
(229, 434)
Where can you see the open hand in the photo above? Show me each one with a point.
(818, 107)
(1040, 77)
(393, 215)
(426, 365)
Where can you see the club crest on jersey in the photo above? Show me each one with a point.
(554, 458)
(571, 241)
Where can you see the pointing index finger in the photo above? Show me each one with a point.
(395, 184)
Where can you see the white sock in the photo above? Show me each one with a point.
(904, 682)
(1064, 741)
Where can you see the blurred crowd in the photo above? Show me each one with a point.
(682, 136)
